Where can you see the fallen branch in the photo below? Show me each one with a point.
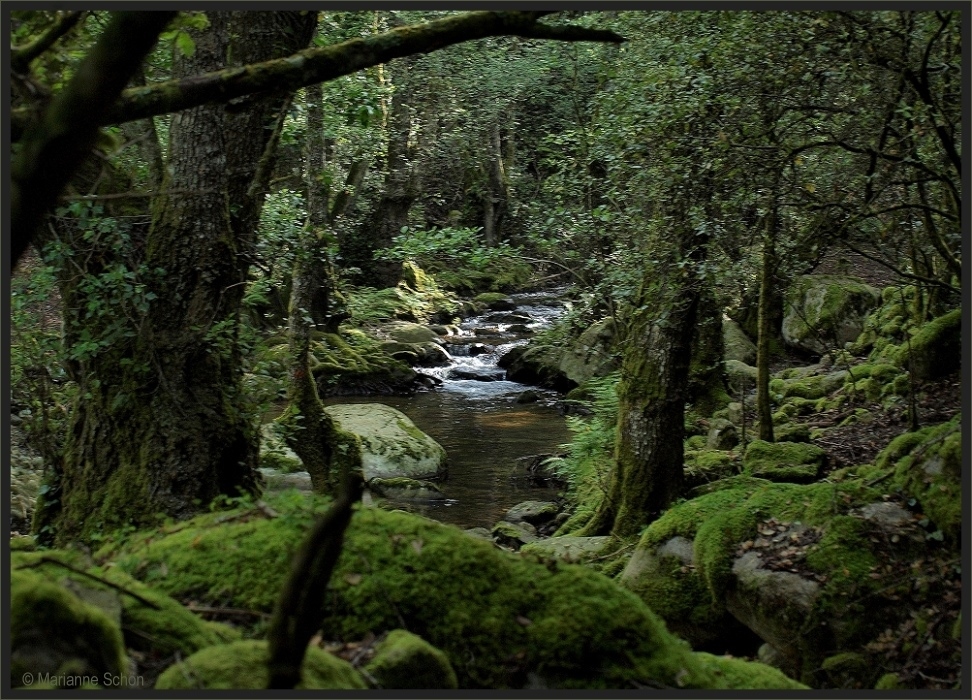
(82, 572)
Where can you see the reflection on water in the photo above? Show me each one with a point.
(483, 438)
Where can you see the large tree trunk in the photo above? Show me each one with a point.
(652, 394)
(160, 425)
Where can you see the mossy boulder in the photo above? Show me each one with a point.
(591, 354)
(568, 548)
(503, 620)
(412, 333)
(536, 364)
(829, 601)
(705, 466)
(935, 350)
(405, 660)
(496, 301)
(812, 387)
(738, 347)
(391, 445)
(353, 363)
(533, 512)
(723, 435)
(784, 461)
(740, 376)
(243, 666)
(151, 621)
(53, 632)
(823, 312)
(927, 465)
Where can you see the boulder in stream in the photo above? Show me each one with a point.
(391, 445)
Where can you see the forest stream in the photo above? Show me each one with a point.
(474, 414)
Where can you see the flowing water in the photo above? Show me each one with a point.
(475, 416)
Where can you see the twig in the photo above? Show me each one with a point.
(80, 572)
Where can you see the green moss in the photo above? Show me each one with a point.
(150, 620)
(404, 660)
(281, 462)
(696, 442)
(936, 349)
(481, 606)
(889, 681)
(23, 543)
(243, 666)
(490, 297)
(52, 631)
(353, 362)
(928, 466)
(792, 432)
(783, 461)
(736, 673)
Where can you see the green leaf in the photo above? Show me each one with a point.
(185, 44)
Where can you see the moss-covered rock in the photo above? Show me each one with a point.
(151, 621)
(825, 311)
(591, 354)
(718, 567)
(406, 489)
(537, 364)
(784, 461)
(813, 387)
(496, 301)
(740, 376)
(53, 632)
(497, 616)
(936, 349)
(353, 362)
(390, 443)
(568, 548)
(243, 666)
(405, 660)
(928, 466)
(738, 347)
(705, 466)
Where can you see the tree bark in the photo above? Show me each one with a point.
(161, 425)
(652, 394)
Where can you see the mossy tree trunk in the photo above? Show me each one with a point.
(497, 195)
(765, 328)
(316, 302)
(652, 394)
(161, 425)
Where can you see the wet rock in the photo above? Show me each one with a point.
(477, 375)
(539, 365)
(496, 302)
(528, 396)
(476, 349)
(507, 318)
(410, 332)
(520, 328)
(406, 489)
(486, 331)
(512, 535)
(533, 512)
